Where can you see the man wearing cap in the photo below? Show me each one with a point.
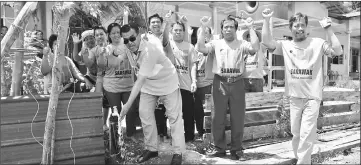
(88, 39)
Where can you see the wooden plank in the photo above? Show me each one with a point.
(89, 126)
(338, 118)
(335, 107)
(250, 133)
(85, 160)
(10, 112)
(63, 96)
(31, 154)
(207, 112)
(256, 99)
(252, 117)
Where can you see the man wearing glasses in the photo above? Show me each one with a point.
(157, 79)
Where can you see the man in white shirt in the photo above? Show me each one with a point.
(157, 79)
(228, 86)
(304, 77)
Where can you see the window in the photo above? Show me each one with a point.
(338, 59)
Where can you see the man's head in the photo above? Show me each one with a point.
(178, 31)
(114, 33)
(100, 35)
(131, 36)
(229, 27)
(52, 42)
(39, 34)
(88, 38)
(298, 26)
(155, 23)
(4, 29)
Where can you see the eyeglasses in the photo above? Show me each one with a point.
(131, 39)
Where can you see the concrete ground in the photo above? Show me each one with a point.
(351, 156)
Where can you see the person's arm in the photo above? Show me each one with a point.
(89, 58)
(76, 42)
(45, 67)
(254, 40)
(201, 46)
(74, 70)
(336, 48)
(267, 38)
(167, 25)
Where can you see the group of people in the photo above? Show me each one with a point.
(139, 72)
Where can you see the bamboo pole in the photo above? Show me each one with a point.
(18, 65)
(13, 33)
(15, 29)
(62, 13)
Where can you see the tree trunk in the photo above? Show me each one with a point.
(49, 134)
(18, 65)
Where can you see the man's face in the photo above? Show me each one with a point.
(178, 32)
(3, 31)
(299, 30)
(131, 40)
(89, 41)
(100, 36)
(39, 35)
(229, 30)
(155, 25)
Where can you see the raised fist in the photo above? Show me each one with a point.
(168, 16)
(267, 13)
(184, 19)
(249, 22)
(205, 20)
(325, 22)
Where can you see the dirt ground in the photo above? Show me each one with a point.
(351, 156)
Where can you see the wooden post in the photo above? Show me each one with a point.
(13, 33)
(62, 14)
(18, 66)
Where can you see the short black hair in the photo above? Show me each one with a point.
(127, 27)
(155, 16)
(52, 39)
(179, 23)
(110, 27)
(297, 16)
(230, 18)
(39, 31)
(99, 27)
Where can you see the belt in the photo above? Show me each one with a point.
(229, 79)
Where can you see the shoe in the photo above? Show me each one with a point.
(237, 156)
(177, 159)
(220, 154)
(146, 155)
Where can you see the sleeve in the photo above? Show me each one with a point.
(327, 49)
(211, 47)
(246, 46)
(148, 63)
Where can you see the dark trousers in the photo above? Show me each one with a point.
(161, 120)
(253, 84)
(199, 97)
(232, 96)
(116, 99)
(188, 114)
